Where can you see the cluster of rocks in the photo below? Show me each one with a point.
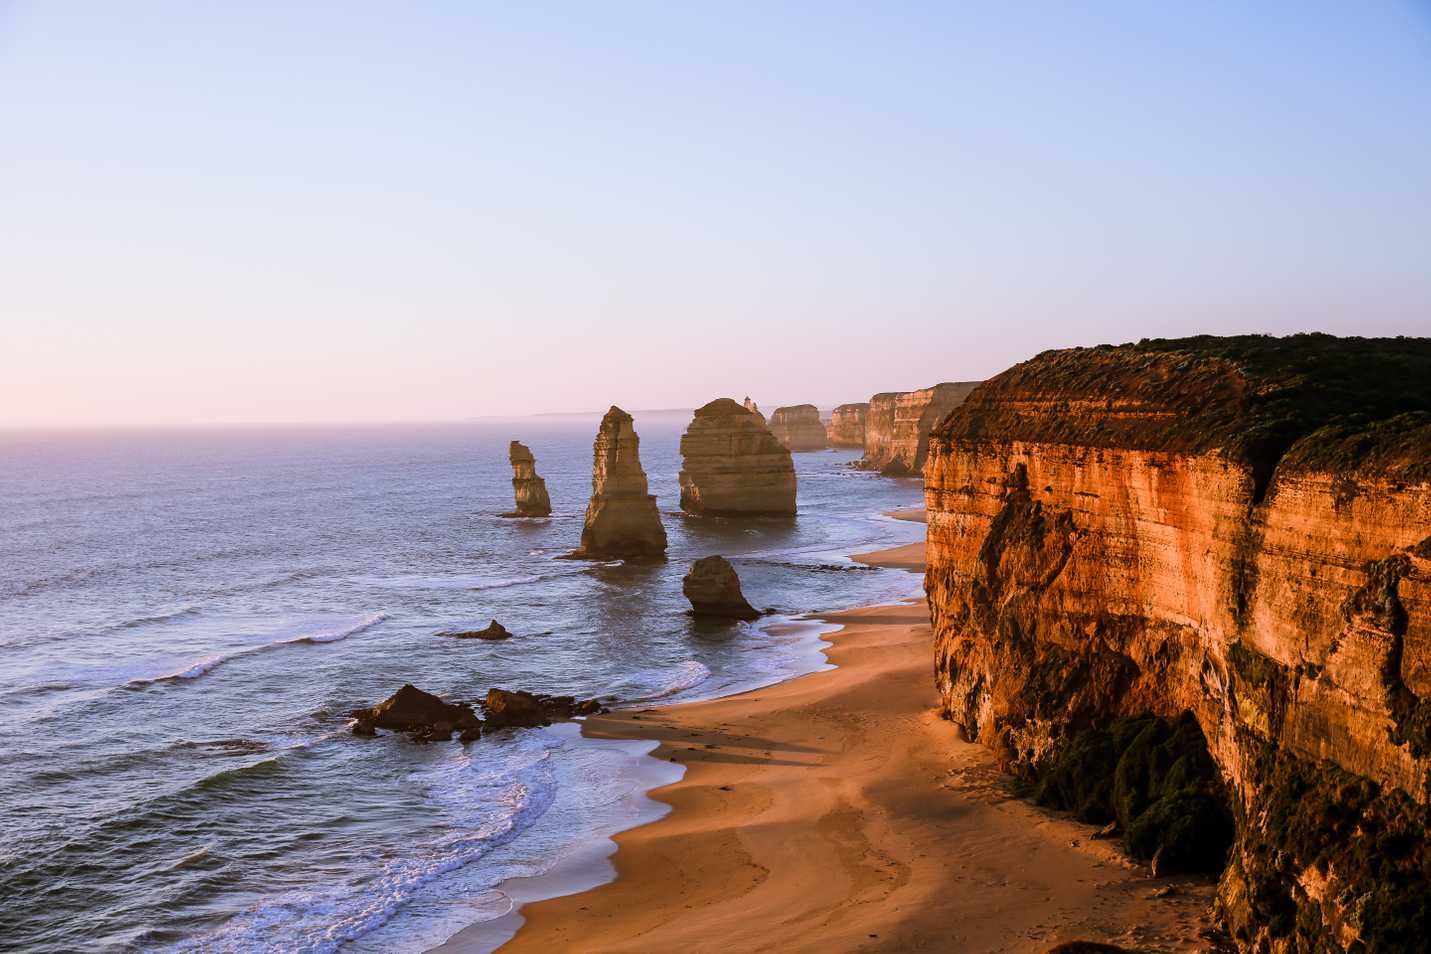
(799, 428)
(732, 464)
(529, 489)
(429, 719)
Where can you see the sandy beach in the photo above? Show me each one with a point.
(838, 812)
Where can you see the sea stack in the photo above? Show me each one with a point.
(847, 426)
(799, 428)
(732, 464)
(529, 489)
(753, 408)
(622, 521)
(713, 588)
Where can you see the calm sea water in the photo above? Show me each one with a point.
(187, 618)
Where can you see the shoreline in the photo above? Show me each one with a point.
(836, 811)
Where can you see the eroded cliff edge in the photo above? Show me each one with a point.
(1236, 528)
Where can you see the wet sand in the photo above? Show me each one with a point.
(838, 812)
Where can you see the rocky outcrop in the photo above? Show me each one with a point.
(847, 425)
(412, 710)
(1238, 529)
(529, 489)
(622, 521)
(898, 424)
(732, 464)
(799, 428)
(506, 709)
(713, 588)
(753, 408)
(494, 632)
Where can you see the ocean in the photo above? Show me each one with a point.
(188, 617)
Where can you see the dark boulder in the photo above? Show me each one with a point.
(494, 631)
(713, 588)
(410, 708)
(506, 709)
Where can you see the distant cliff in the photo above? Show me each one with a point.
(847, 425)
(898, 423)
(1236, 528)
(799, 428)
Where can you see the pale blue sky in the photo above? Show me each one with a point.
(297, 211)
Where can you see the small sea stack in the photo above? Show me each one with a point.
(622, 521)
(529, 489)
(713, 587)
(753, 408)
(847, 426)
(732, 464)
(799, 428)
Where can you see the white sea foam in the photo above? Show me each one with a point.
(210, 663)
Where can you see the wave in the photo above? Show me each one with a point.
(684, 676)
(210, 663)
(156, 618)
(487, 806)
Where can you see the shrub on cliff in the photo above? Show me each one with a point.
(1156, 779)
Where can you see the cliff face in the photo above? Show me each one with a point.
(1236, 528)
(847, 425)
(621, 520)
(732, 464)
(528, 488)
(799, 428)
(898, 424)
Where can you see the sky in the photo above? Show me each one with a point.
(307, 212)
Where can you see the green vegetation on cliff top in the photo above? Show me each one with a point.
(1317, 400)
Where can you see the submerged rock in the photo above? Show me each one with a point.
(411, 709)
(494, 631)
(622, 521)
(713, 587)
(732, 464)
(799, 428)
(529, 489)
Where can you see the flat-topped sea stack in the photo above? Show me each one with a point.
(1188, 583)
(799, 428)
(847, 426)
(622, 521)
(898, 423)
(732, 464)
(529, 489)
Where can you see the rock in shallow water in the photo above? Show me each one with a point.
(410, 708)
(713, 587)
(622, 521)
(494, 631)
(529, 489)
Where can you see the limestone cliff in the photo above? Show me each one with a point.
(898, 424)
(847, 426)
(529, 489)
(621, 520)
(1236, 528)
(799, 428)
(732, 464)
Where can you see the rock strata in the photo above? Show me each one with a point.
(732, 464)
(799, 428)
(898, 424)
(622, 521)
(1237, 529)
(713, 587)
(847, 426)
(529, 489)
